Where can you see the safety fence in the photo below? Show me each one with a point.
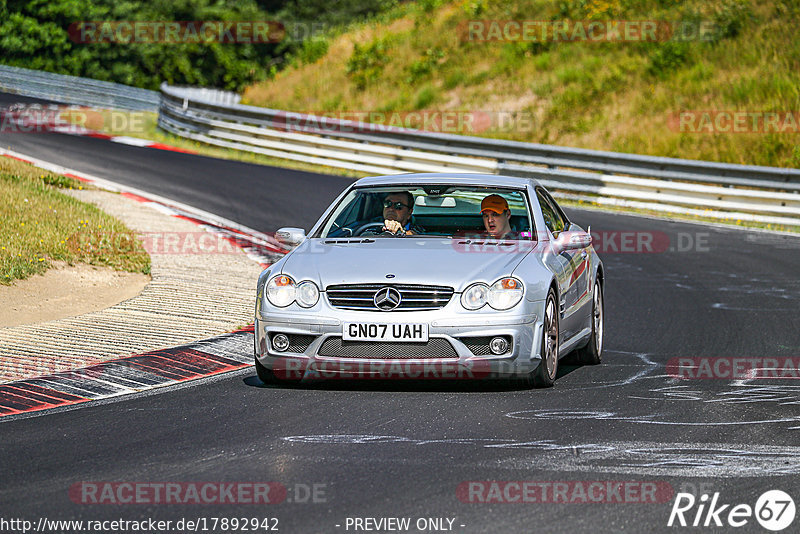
(716, 190)
(708, 189)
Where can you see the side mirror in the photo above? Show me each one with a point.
(291, 237)
(574, 240)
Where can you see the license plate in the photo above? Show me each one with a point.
(413, 332)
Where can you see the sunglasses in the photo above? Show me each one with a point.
(396, 205)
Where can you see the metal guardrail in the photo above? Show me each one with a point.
(725, 191)
(718, 190)
(216, 96)
(75, 90)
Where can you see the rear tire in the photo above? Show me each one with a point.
(592, 353)
(545, 374)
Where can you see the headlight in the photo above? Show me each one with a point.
(505, 293)
(307, 294)
(281, 290)
(475, 296)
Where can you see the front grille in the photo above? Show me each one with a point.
(414, 297)
(479, 346)
(434, 348)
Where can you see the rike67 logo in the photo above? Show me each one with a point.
(774, 510)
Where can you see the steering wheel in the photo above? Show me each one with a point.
(370, 227)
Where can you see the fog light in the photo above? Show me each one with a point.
(498, 345)
(280, 342)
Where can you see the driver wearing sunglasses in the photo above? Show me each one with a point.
(397, 210)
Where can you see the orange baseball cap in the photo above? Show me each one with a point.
(496, 203)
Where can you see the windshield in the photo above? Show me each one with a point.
(431, 211)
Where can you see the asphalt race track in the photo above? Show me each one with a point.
(403, 450)
(252, 195)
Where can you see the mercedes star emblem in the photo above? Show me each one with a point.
(387, 299)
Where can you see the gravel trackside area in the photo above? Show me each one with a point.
(200, 286)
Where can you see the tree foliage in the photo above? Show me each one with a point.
(35, 34)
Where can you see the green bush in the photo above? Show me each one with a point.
(424, 66)
(366, 63)
(454, 79)
(327, 13)
(475, 8)
(795, 161)
(35, 35)
(312, 50)
(425, 97)
(429, 6)
(514, 54)
(666, 58)
(478, 78)
(730, 18)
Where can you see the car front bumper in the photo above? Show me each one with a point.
(452, 330)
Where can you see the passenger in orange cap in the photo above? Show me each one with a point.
(497, 217)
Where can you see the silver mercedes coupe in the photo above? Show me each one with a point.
(443, 276)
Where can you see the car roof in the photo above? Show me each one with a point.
(470, 179)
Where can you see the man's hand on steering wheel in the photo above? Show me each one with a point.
(393, 227)
(373, 228)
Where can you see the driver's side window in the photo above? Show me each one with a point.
(349, 215)
(552, 218)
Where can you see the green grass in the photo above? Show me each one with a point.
(608, 96)
(39, 224)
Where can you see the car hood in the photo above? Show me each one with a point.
(455, 263)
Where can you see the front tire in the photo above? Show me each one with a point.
(592, 353)
(545, 375)
(264, 374)
(269, 378)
